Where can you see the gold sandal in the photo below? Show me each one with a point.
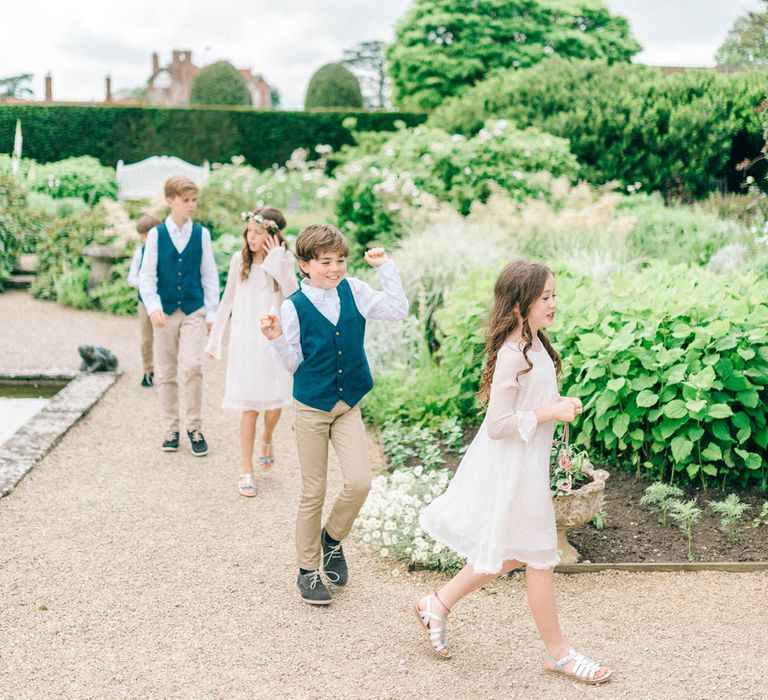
(435, 637)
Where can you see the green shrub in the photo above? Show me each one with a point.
(333, 85)
(113, 294)
(413, 166)
(82, 177)
(219, 84)
(112, 133)
(63, 270)
(14, 217)
(671, 132)
(671, 364)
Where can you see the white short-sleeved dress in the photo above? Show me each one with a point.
(255, 382)
(498, 505)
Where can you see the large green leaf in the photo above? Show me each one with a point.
(675, 409)
(646, 398)
(681, 448)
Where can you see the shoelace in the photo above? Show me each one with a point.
(314, 579)
(170, 437)
(197, 436)
(333, 552)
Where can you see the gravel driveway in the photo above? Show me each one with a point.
(127, 572)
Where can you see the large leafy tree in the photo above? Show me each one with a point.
(333, 85)
(367, 61)
(747, 43)
(14, 86)
(443, 46)
(219, 84)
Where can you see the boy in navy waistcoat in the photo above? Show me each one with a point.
(319, 338)
(143, 227)
(179, 284)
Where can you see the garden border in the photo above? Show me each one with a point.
(41, 433)
(646, 567)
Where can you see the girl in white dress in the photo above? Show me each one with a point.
(497, 511)
(261, 276)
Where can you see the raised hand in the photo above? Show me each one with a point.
(270, 326)
(376, 257)
(270, 243)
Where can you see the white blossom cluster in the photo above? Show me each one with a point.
(389, 520)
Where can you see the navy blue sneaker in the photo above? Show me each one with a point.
(334, 563)
(148, 379)
(199, 445)
(312, 589)
(171, 442)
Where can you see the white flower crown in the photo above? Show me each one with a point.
(259, 219)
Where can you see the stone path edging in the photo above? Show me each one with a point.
(39, 435)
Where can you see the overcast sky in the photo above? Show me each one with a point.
(81, 41)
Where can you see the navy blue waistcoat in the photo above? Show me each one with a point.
(334, 366)
(141, 260)
(178, 274)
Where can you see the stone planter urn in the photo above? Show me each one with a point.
(577, 508)
(102, 258)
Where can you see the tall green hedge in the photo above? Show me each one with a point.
(671, 132)
(113, 133)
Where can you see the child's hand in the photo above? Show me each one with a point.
(576, 402)
(270, 326)
(157, 318)
(270, 243)
(376, 257)
(566, 409)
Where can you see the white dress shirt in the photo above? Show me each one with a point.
(133, 272)
(208, 274)
(387, 305)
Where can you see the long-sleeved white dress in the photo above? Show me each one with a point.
(255, 381)
(498, 505)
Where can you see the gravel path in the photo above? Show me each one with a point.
(126, 572)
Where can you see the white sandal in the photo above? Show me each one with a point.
(246, 484)
(266, 461)
(436, 636)
(583, 670)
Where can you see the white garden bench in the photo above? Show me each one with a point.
(145, 178)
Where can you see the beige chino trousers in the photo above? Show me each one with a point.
(180, 342)
(147, 336)
(343, 426)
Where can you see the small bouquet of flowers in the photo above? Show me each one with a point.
(568, 469)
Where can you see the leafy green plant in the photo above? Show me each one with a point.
(686, 514)
(762, 519)
(660, 497)
(730, 511)
(600, 521)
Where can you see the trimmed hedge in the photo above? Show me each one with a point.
(671, 132)
(112, 133)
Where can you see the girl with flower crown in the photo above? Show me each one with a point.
(261, 276)
(497, 511)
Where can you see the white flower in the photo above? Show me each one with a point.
(384, 552)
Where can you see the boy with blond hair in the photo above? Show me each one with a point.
(319, 338)
(179, 284)
(143, 226)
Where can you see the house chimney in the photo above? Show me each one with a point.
(263, 99)
(155, 62)
(109, 89)
(48, 87)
